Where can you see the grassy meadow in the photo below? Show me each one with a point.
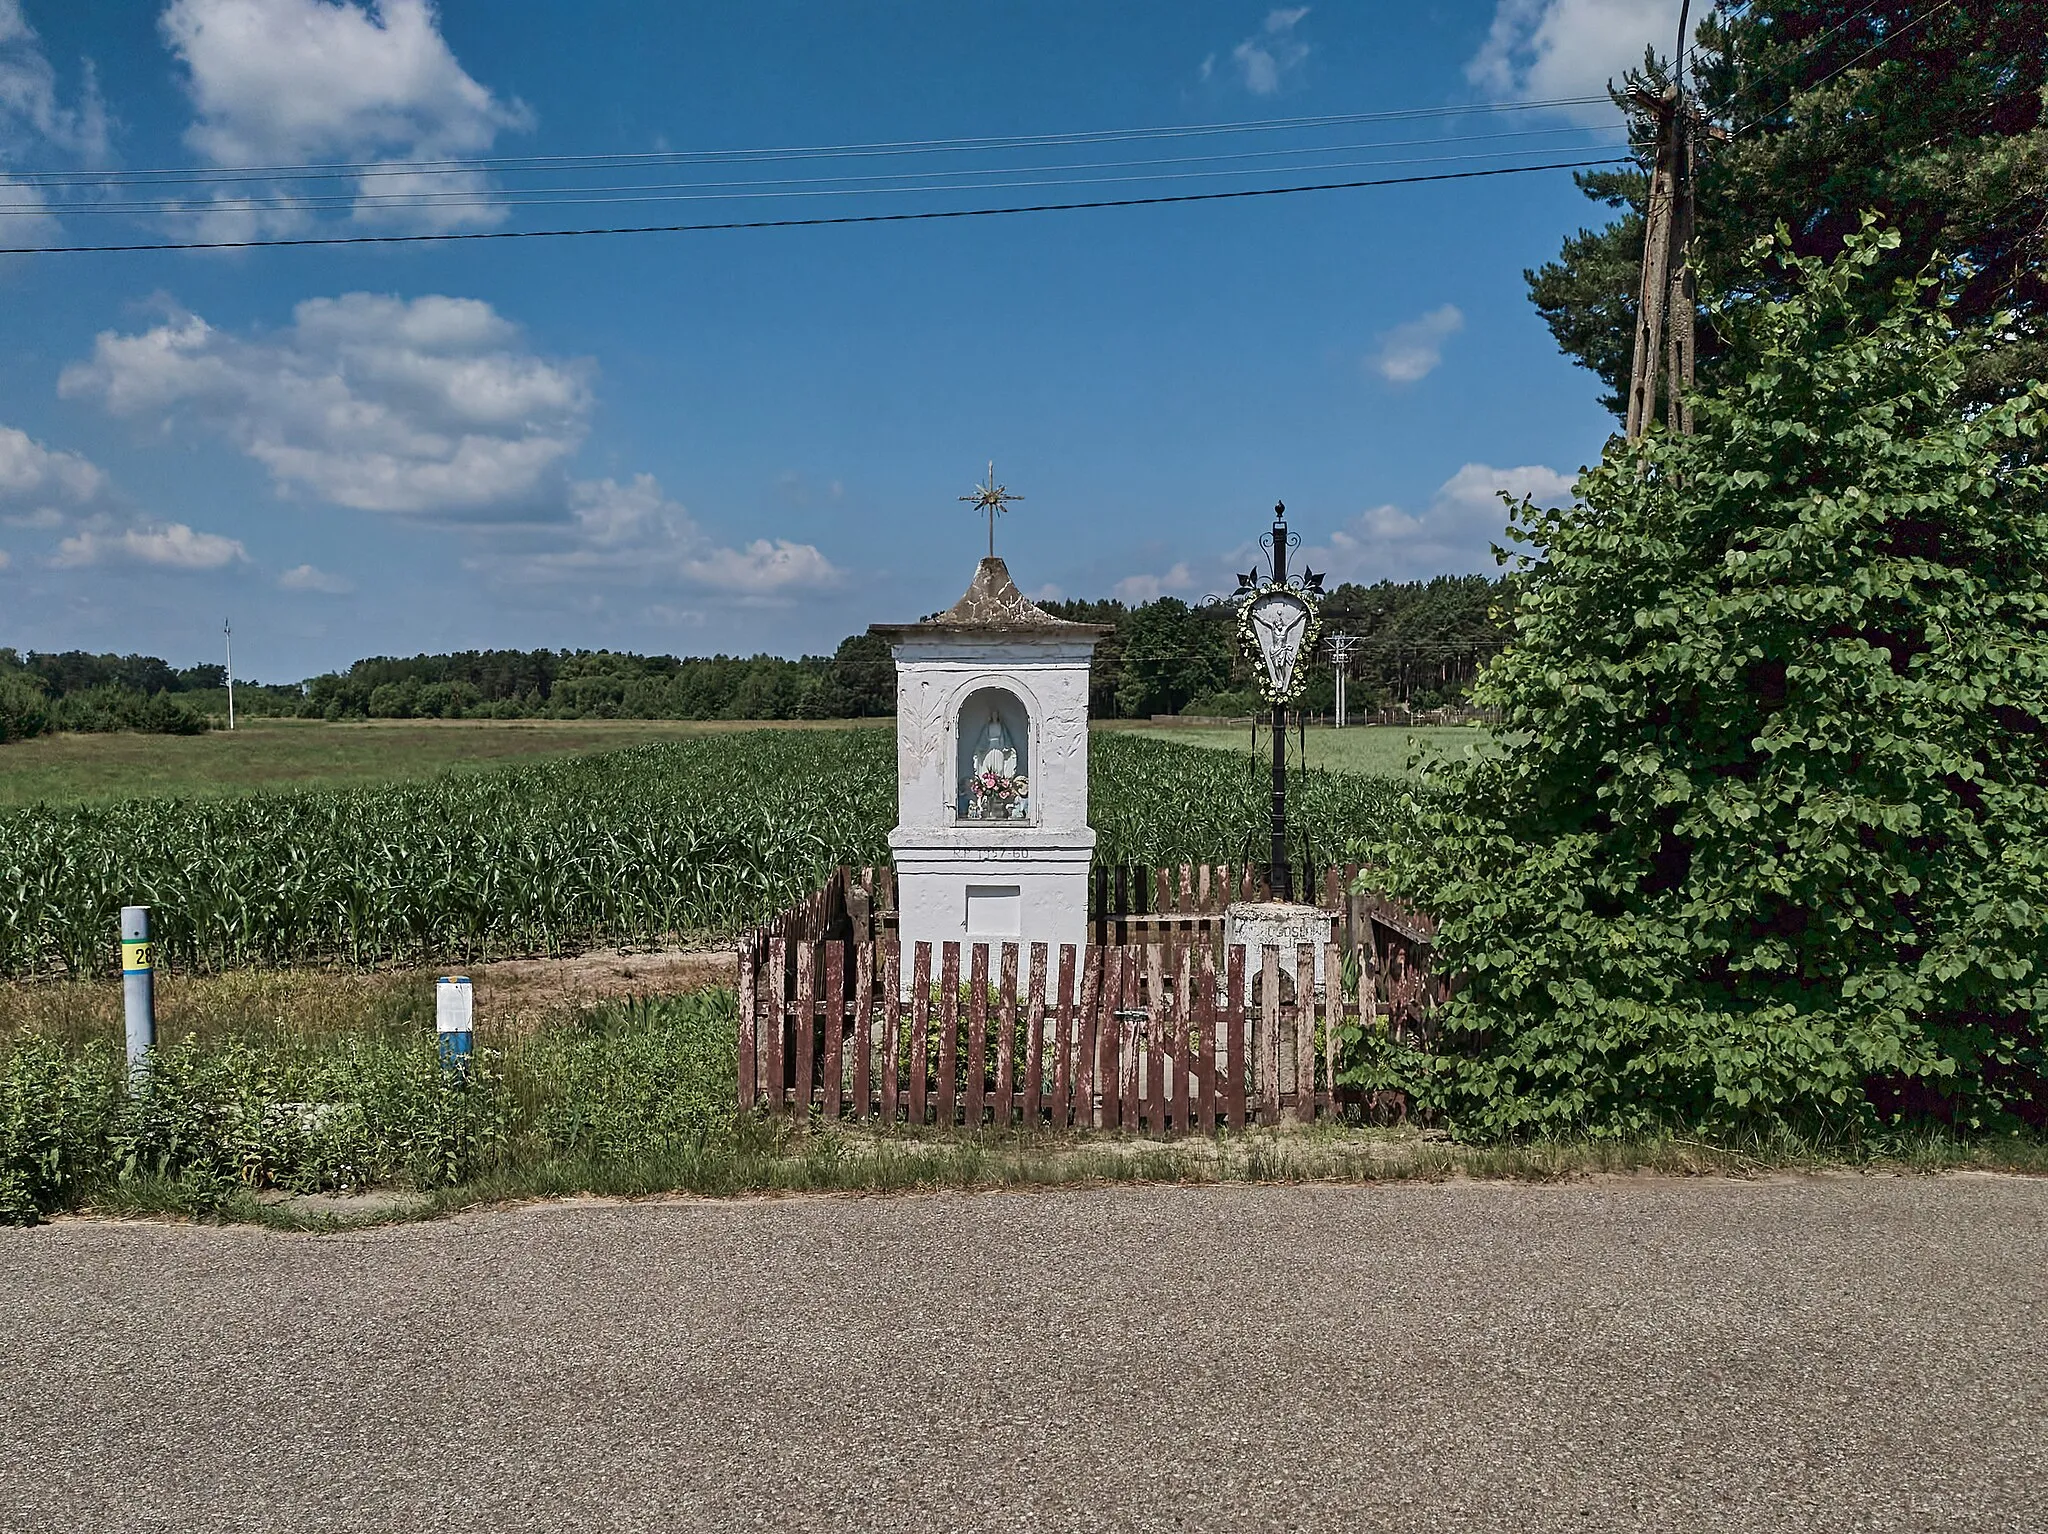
(309, 753)
(266, 754)
(1385, 751)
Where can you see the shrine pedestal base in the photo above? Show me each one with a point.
(1252, 925)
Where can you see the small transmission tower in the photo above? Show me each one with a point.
(1342, 650)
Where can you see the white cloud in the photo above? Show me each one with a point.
(1271, 56)
(311, 578)
(5, 559)
(633, 534)
(167, 546)
(431, 408)
(763, 568)
(295, 81)
(1049, 592)
(1133, 590)
(1412, 351)
(36, 480)
(29, 106)
(1454, 534)
(35, 122)
(1541, 50)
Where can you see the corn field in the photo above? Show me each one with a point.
(687, 839)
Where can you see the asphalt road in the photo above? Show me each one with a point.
(1834, 1354)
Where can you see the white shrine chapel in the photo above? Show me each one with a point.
(992, 842)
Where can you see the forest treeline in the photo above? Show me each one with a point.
(1422, 642)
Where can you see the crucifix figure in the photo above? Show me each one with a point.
(993, 499)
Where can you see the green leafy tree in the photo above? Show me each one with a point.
(1927, 112)
(1171, 652)
(1767, 843)
(860, 682)
(24, 711)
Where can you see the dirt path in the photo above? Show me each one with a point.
(532, 985)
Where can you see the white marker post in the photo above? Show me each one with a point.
(138, 986)
(454, 1009)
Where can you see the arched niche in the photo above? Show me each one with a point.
(992, 758)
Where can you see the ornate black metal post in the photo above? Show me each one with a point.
(1277, 628)
(1280, 872)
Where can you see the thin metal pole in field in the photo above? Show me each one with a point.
(138, 986)
(1342, 648)
(228, 634)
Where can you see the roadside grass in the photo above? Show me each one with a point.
(309, 1005)
(333, 1005)
(286, 1122)
(758, 1159)
(1382, 751)
(307, 753)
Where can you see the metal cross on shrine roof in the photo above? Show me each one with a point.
(993, 499)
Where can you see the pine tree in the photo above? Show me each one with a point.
(1929, 113)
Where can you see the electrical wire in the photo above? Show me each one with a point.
(548, 195)
(504, 163)
(604, 196)
(452, 236)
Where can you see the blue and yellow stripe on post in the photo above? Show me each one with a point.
(138, 989)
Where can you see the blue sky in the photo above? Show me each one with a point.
(754, 440)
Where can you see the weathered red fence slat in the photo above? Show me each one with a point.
(1157, 1025)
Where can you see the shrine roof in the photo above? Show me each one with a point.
(993, 605)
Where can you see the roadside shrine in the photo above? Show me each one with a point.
(997, 974)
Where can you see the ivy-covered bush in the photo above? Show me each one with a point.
(1766, 845)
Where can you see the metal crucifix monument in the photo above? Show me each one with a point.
(1277, 628)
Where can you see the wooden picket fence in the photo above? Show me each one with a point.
(1157, 1026)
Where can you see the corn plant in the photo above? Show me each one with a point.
(686, 839)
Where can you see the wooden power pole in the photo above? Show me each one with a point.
(1667, 301)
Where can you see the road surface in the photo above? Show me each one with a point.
(1840, 1353)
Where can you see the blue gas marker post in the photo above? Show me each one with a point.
(138, 987)
(454, 1008)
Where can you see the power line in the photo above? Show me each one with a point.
(452, 236)
(736, 191)
(478, 165)
(826, 185)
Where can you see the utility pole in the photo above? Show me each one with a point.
(1343, 649)
(228, 635)
(1667, 297)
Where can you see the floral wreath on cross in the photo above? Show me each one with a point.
(1248, 639)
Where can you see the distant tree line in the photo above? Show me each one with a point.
(1423, 641)
(1422, 644)
(857, 681)
(92, 693)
